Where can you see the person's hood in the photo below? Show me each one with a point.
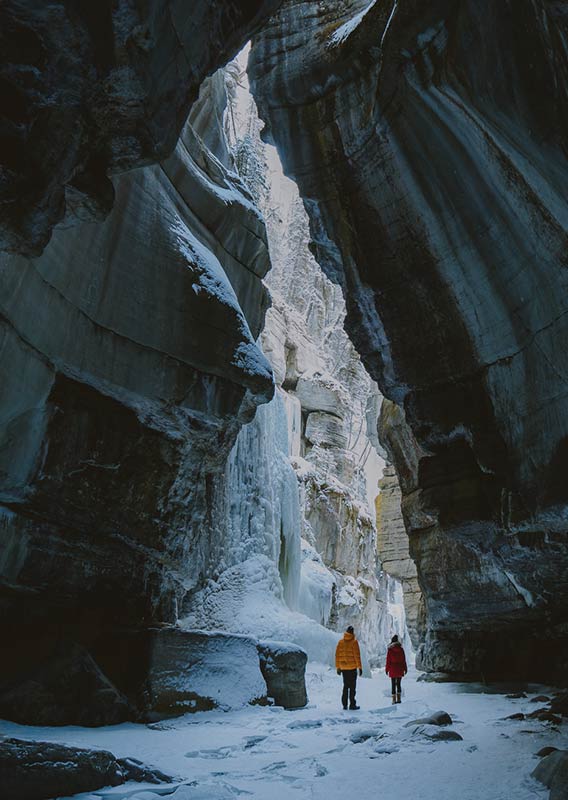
(348, 636)
(394, 644)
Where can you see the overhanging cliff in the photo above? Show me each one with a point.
(428, 141)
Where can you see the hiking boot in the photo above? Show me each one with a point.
(345, 708)
(354, 708)
(398, 698)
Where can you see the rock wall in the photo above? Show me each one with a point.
(428, 141)
(393, 550)
(331, 404)
(295, 535)
(89, 93)
(128, 364)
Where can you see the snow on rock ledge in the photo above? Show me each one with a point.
(187, 670)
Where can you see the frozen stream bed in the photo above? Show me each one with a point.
(323, 752)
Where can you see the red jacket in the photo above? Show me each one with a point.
(396, 661)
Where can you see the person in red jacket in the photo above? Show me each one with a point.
(396, 667)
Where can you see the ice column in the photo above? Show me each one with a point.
(262, 501)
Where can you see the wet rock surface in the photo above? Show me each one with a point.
(432, 180)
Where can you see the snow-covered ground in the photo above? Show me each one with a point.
(322, 752)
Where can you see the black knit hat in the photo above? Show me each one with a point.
(350, 629)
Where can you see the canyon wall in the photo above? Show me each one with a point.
(329, 398)
(88, 93)
(295, 533)
(393, 550)
(128, 364)
(428, 141)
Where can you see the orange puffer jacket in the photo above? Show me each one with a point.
(347, 654)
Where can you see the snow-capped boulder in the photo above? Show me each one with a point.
(283, 666)
(196, 670)
(437, 718)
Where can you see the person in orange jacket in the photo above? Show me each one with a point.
(347, 662)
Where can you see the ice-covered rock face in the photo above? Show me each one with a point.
(88, 94)
(128, 364)
(428, 143)
(328, 394)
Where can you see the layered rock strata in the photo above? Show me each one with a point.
(295, 536)
(428, 141)
(331, 407)
(393, 550)
(88, 94)
(128, 365)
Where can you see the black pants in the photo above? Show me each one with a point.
(349, 686)
(395, 683)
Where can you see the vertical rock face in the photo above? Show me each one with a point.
(327, 393)
(295, 536)
(428, 140)
(88, 94)
(128, 365)
(392, 546)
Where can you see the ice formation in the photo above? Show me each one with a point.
(295, 511)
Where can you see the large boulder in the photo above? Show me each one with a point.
(283, 666)
(69, 689)
(553, 772)
(189, 671)
(42, 770)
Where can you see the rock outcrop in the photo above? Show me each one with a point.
(328, 395)
(43, 770)
(392, 547)
(88, 94)
(128, 365)
(283, 667)
(186, 671)
(433, 177)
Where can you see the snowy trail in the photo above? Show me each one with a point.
(322, 753)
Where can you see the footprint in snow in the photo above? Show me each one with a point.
(304, 724)
(252, 741)
(221, 752)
